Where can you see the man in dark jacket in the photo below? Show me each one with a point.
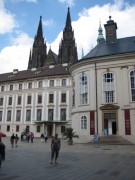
(55, 148)
(2, 151)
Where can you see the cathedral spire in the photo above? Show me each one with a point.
(100, 34)
(67, 48)
(68, 26)
(38, 54)
(40, 31)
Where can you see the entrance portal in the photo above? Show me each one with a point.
(49, 130)
(110, 123)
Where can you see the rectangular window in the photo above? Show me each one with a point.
(63, 115)
(28, 99)
(9, 115)
(18, 115)
(0, 116)
(109, 96)
(28, 115)
(8, 128)
(63, 129)
(40, 84)
(10, 101)
(39, 114)
(63, 97)
(28, 128)
(38, 129)
(20, 86)
(30, 85)
(11, 87)
(39, 99)
(63, 82)
(50, 114)
(1, 101)
(51, 83)
(19, 100)
(50, 98)
(2, 88)
(17, 128)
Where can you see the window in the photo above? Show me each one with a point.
(11, 87)
(51, 83)
(83, 90)
(63, 115)
(63, 97)
(8, 128)
(2, 88)
(9, 115)
(20, 86)
(17, 128)
(28, 115)
(30, 85)
(39, 99)
(10, 101)
(108, 88)
(63, 82)
(19, 100)
(28, 99)
(40, 84)
(51, 98)
(73, 98)
(50, 114)
(132, 84)
(83, 122)
(0, 115)
(28, 128)
(63, 129)
(1, 101)
(18, 115)
(39, 114)
(38, 129)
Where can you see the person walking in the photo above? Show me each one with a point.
(2, 151)
(31, 137)
(12, 139)
(42, 138)
(46, 138)
(16, 139)
(55, 148)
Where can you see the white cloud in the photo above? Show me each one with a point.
(7, 20)
(68, 2)
(17, 55)
(86, 27)
(47, 22)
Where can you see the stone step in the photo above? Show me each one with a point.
(114, 140)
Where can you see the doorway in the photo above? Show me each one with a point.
(110, 123)
(49, 130)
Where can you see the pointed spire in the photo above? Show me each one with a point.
(40, 31)
(68, 26)
(30, 61)
(82, 53)
(100, 34)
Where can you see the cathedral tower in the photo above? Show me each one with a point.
(38, 54)
(67, 48)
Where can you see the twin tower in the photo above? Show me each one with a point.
(67, 52)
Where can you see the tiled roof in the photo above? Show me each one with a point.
(122, 46)
(39, 72)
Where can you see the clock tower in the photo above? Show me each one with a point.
(110, 28)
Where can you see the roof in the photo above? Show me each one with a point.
(122, 46)
(35, 73)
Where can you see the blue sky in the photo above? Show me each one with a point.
(19, 21)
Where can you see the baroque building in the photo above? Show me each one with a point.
(95, 94)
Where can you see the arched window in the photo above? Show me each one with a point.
(83, 89)
(109, 88)
(83, 122)
(132, 84)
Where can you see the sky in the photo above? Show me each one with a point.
(19, 22)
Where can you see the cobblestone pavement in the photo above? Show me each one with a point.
(31, 161)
